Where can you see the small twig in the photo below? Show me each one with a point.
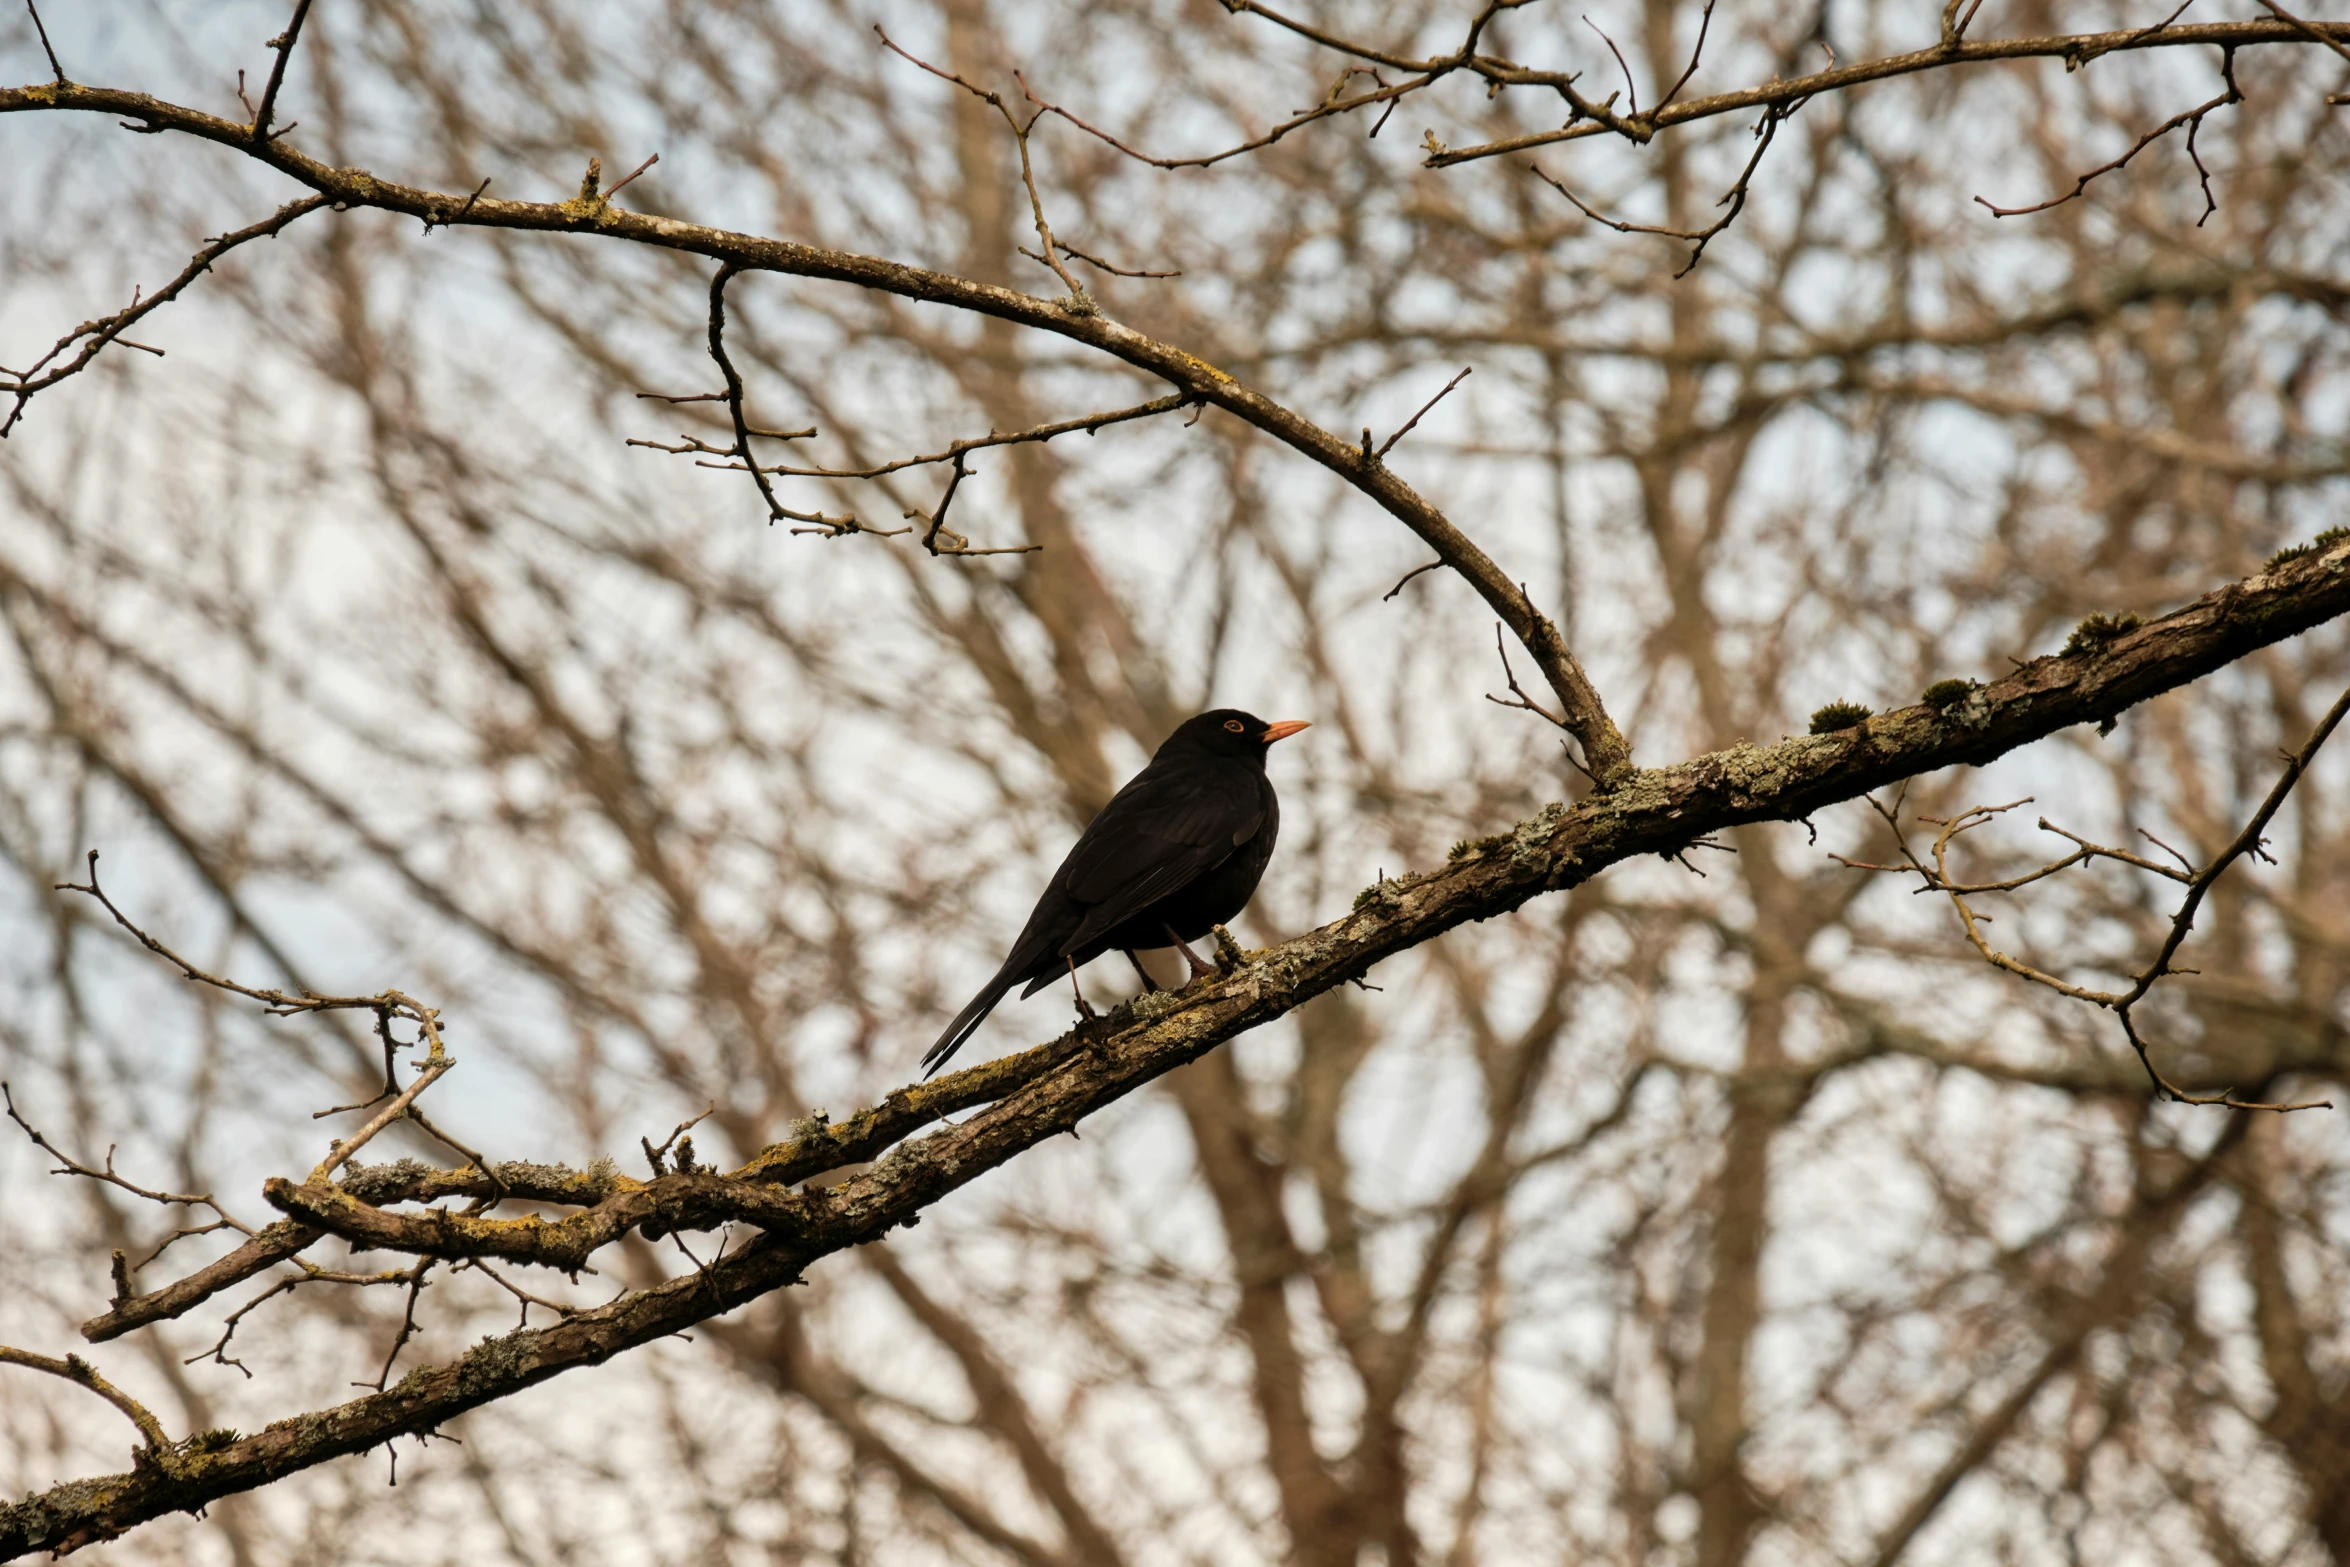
(218, 1354)
(702, 1269)
(653, 1154)
(1079, 302)
(283, 43)
(1407, 577)
(1384, 93)
(956, 543)
(1389, 444)
(1092, 260)
(1523, 700)
(630, 175)
(2246, 842)
(2278, 11)
(433, 220)
(76, 1370)
(1734, 198)
(67, 1165)
(55, 69)
(1954, 26)
(1532, 706)
(343, 1149)
(21, 385)
(1631, 88)
(527, 1299)
(2198, 882)
(1705, 20)
(2159, 844)
(2192, 119)
(1088, 424)
(407, 1323)
(392, 1048)
(830, 527)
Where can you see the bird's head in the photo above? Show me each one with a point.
(1227, 731)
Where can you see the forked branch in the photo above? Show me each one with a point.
(1023, 1100)
(2198, 881)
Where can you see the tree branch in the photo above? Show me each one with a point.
(1586, 716)
(1041, 1093)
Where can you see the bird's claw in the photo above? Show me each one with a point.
(1191, 959)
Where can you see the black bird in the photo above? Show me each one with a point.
(1174, 854)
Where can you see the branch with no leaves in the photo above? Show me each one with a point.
(1580, 705)
(1586, 117)
(1734, 199)
(2198, 881)
(2192, 119)
(47, 48)
(1788, 93)
(1518, 696)
(740, 451)
(955, 543)
(80, 1372)
(1388, 445)
(283, 44)
(1077, 301)
(20, 385)
(1023, 1100)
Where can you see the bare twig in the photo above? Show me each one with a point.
(1077, 302)
(1631, 87)
(956, 543)
(1388, 445)
(433, 220)
(2198, 882)
(1087, 424)
(218, 1354)
(2282, 15)
(80, 1372)
(21, 385)
(653, 1155)
(283, 43)
(525, 1297)
(1697, 239)
(416, 1286)
(1407, 577)
(2192, 119)
(1383, 93)
(68, 1165)
(630, 175)
(1705, 21)
(1787, 92)
(1954, 25)
(56, 70)
(2246, 842)
(433, 1072)
(830, 527)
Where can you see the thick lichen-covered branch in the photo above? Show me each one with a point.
(1034, 1096)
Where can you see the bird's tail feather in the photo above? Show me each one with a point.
(966, 1023)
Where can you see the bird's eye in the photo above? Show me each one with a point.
(1235, 725)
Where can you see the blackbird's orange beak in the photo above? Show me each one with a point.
(1284, 729)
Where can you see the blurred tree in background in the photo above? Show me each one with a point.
(1721, 1209)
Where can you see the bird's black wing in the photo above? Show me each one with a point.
(1162, 832)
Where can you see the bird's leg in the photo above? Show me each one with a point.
(1135, 958)
(1199, 970)
(1084, 1007)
